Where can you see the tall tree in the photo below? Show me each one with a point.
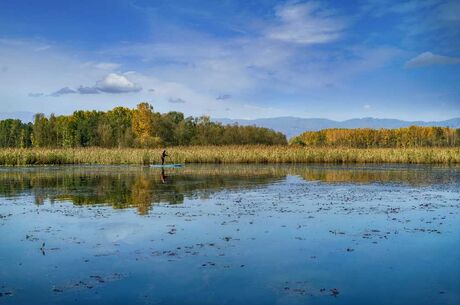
(143, 124)
(40, 133)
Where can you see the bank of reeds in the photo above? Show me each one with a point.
(230, 154)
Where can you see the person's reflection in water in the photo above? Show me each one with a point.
(163, 177)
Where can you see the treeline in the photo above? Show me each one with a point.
(124, 127)
(143, 127)
(380, 138)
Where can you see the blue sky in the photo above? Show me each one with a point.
(236, 59)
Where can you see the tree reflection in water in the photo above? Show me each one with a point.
(141, 187)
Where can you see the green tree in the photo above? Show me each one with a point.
(40, 131)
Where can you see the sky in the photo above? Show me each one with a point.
(233, 59)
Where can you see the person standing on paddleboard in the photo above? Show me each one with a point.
(163, 156)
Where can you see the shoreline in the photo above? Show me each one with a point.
(235, 154)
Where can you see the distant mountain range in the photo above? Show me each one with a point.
(292, 126)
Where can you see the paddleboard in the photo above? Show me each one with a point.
(166, 165)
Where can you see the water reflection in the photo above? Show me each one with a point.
(142, 187)
(123, 187)
(291, 235)
(415, 175)
(163, 176)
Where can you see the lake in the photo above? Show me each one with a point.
(237, 234)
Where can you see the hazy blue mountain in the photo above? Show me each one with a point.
(24, 116)
(292, 126)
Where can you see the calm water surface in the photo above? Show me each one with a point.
(238, 234)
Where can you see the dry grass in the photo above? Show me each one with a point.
(230, 154)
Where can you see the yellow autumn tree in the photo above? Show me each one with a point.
(143, 126)
(413, 136)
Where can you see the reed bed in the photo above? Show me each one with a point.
(257, 154)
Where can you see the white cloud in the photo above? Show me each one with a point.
(264, 61)
(112, 83)
(275, 64)
(58, 68)
(117, 83)
(244, 67)
(306, 23)
(430, 59)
